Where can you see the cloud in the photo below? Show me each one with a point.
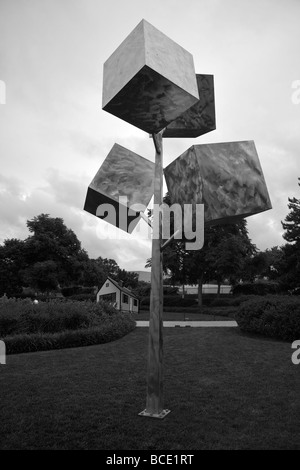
(63, 197)
(55, 136)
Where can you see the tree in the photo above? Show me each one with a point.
(92, 273)
(109, 266)
(53, 243)
(226, 249)
(291, 271)
(227, 259)
(12, 261)
(97, 270)
(129, 279)
(291, 225)
(42, 276)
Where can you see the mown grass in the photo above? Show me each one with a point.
(203, 314)
(226, 390)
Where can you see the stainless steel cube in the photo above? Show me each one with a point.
(149, 80)
(226, 177)
(125, 178)
(201, 117)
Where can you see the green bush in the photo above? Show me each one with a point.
(24, 317)
(83, 297)
(221, 302)
(76, 290)
(231, 301)
(272, 316)
(113, 328)
(170, 301)
(256, 288)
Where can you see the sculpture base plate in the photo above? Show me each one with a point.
(160, 415)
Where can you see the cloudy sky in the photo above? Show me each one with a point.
(54, 135)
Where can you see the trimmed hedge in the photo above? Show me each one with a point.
(170, 301)
(83, 297)
(25, 326)
(231, 301)
(256, 288)
(76, 290)
(271, 316)
(22, 316)
(110, 331)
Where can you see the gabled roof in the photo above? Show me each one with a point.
(121, 288)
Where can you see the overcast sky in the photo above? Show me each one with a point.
(54, 135)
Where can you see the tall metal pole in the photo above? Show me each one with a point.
(154, 404)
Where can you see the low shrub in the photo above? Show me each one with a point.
(170, 301)
(231, 301)
(25, 317)
(170, 290)
(77, 290)
(256, 288)
(113, 328)
(272, 316)
(221, 302)
(83, 297)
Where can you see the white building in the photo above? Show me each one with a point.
(122, 298)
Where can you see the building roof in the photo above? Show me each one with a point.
(121, 288)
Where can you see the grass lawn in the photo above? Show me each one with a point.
(225, 390)
(207, 314)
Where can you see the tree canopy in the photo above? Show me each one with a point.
(291, 224)
(52, 257)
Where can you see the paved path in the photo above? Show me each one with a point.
(228, 323)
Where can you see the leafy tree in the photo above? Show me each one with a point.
(51, 241)
(12, 261)
(92, 273)
(226, 249)
(290, 267)
(43, 276)
(290, 277)
(223, 256)
(291, 225)
(52, 257)
(109, 266)
(97, 270)
(228, 255)
(274, 263)
(129, 279)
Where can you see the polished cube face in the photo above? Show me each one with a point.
(201, 117)
(123, 179)
(226, 177)
(149, 80)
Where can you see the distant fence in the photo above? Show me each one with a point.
(206, 289)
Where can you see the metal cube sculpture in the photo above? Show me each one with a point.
(149, 80)
(226, 177)
(123, 174)
(201, 117)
